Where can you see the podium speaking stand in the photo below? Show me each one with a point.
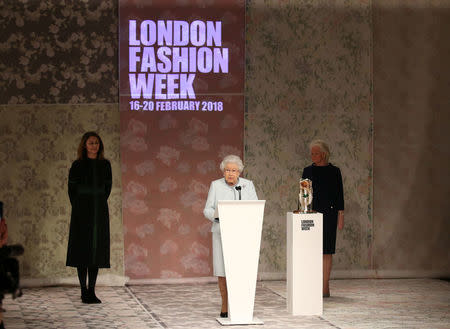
(304, 263)
(240, 228)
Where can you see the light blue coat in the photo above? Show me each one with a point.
(220, 190)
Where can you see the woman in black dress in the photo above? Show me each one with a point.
(328, 199)
(90, 183)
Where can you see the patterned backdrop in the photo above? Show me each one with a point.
(303, 65)
(168, 162)
(38, 145)
(58, 52)
(169, 158)
(308, 74)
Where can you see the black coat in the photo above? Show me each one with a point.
(89, 188)
(328, 199)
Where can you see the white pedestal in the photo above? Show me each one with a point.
(304, 264)
(240, 228)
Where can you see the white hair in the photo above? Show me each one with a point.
(323, 147)
(232, 159)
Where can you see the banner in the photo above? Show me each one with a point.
(181, 77)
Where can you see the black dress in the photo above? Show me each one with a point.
(328, 199)
(90, 183)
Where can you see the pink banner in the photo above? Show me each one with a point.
(182, 110)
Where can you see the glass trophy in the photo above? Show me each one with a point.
(305, 196)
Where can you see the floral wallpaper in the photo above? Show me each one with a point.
(58, 52)
(168, 163)
(309, 76)
(37, 146)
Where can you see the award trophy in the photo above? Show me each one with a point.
(305, 196)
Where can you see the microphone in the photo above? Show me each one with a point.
(238, 188)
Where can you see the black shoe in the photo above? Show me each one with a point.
(1, 325)
(92, 298)
(224, 314)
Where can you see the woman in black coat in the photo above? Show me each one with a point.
(328, 199)
(90, 181)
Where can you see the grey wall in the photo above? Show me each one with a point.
(411, 154)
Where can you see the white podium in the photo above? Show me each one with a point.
(304, 263)
(240, 228)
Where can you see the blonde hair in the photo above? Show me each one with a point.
(323, 147)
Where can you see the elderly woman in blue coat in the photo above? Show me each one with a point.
(230, 187)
